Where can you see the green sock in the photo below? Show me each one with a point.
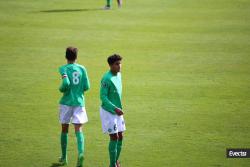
(112, 152)
(80, 142)
(64, 142)
(119, 148)
(108, 3)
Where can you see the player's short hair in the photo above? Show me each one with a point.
(113, 58)
(71, 53)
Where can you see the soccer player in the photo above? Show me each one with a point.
(108, 5)
(111, 108)
(72, 104)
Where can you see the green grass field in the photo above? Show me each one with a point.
(186, 75)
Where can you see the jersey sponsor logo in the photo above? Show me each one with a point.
(109, 130)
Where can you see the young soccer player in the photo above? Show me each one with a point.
(72, 104)
(109, 2)
(111, 108)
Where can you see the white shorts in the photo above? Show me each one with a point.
(111, 123)
(76, 115)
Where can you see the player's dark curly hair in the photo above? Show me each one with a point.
(71, 53)
(113, 58)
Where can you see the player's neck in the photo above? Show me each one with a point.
(113, 72)
(71, 62)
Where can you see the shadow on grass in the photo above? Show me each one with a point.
(56, 165)
(69, 10)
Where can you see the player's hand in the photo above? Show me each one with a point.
(118, 111)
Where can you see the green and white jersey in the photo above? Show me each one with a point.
(74, 83)
(111, 92)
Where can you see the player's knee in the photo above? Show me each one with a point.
(65, 128)
(78, 127)
(120, 136)
(113, 136)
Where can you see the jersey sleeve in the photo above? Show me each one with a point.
(105, 85)
(65, 83)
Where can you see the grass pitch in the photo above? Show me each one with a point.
(186, 75)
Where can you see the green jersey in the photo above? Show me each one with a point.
(111, 92)
(74, 83)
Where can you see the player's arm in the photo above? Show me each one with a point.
(105, 85)
(86, 82)
(65, 81)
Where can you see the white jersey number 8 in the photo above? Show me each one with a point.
(76, 79)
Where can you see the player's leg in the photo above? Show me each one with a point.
(121, 128)
(113, 149)
(80, 144)
(109, 126)
(119, 147)
(64, 143)
(119, 3)
(79, 118)
(108, 4)
(65, 113)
